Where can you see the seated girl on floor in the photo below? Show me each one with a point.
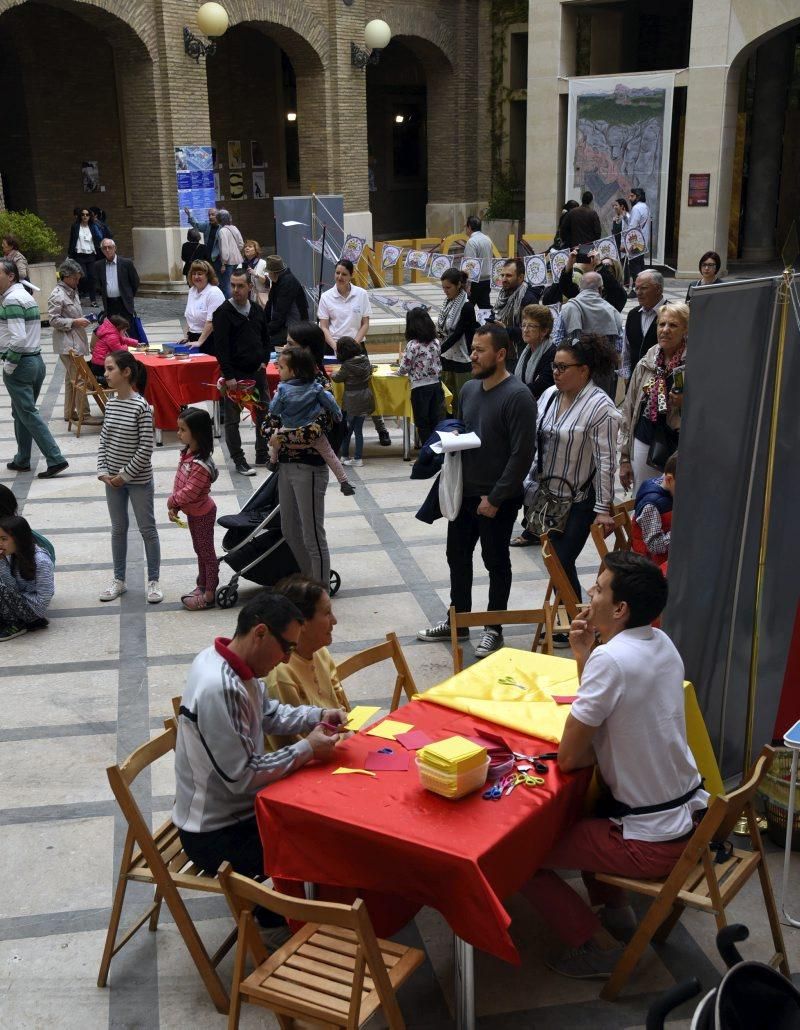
(26, 579)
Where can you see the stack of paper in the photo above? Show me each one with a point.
(453, 755)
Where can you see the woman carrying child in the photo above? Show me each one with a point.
(124, 464)
(303, 407)
(422, 363)
(110, 336)
(26, 579)
(355, 372)
(191, 493)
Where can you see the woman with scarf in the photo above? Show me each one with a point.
(454, 328)
(651, 412)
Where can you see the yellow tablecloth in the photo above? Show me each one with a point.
(477, 691)
(392, 393)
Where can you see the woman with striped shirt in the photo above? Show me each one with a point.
(576, 443)
(124, 464)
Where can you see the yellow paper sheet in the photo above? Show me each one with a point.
(343, 772)
(389, 728)
(359, 715)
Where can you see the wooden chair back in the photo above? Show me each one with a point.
(621, 535)
(523, 616)
(85, 385)
(390, 651)
(292, 982)
(161, 862)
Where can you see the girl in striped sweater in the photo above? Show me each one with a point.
(26, 579)
(124, 464)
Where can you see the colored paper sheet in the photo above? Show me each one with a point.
(359, 715)
(413, 740)
(565, 699)
(397, 761)
(343, 772)
(389, 728)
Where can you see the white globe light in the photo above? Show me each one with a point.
(377, 34)
(212, 19)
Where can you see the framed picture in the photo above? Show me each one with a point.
(257, 154)
(236, 186)
(259, 186)
(235, 154)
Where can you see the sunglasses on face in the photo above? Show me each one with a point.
(287, 646)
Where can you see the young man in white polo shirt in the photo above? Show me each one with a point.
(629, 719)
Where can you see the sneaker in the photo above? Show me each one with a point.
(196, 602)
(347, 489)
(17, 468)
(384, 439)
(492, 640)
(154, 594)
(53, 470)
(244, 469)
(357, 463)
(588, 962)
(8, 632)
(347, 461)
(113, 592)
(561, 640)
(619, 922)
(441, 632)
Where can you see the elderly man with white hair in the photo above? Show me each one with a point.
(590, 313)
(118, 281)
(640, 325)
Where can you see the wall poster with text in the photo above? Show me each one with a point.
(194, 174)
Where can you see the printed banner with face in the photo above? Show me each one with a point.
(634, 243)
(353, 248)
(497, 272)
(606, 248)
(536, 270)
(472, 269)
(439, 265)
(417, 259)
(558, 262)
(390, 255)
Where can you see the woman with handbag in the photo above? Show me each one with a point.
(651, 411)
(571, 483)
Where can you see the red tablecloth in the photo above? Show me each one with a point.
(389, 835)
(172, 383)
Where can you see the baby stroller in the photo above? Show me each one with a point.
(255, 547)
(752, 995)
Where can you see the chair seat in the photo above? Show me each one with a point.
(312, 974)
(183, 871)
(730, 875)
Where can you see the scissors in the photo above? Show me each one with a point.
(537, 761)
(493, 793)
(524, 779)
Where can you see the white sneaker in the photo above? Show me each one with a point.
(113, 592)
(347, 461)
(357, 463)
(154, 595)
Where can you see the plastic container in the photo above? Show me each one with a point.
(452, 785)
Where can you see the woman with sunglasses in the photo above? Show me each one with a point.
(84, 247)
(576, 445)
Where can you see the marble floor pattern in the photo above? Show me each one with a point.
(83, 693)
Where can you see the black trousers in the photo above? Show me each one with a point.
(87, 283)
(233, 413)
(427, 403)
(569, 544)
(480, 294)
(635, 266)
(463, 533)
(239, 844)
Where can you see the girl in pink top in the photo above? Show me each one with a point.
(109, 336)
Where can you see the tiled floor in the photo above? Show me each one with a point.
(82, 694)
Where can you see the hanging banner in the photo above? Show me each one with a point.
(194, 175)
(558, 262)
(618, 137)
(497, 272)
(606, 248)
(390, 255)
(439, 265)
(634, 242)
(353, 248)
(417, 259)
(536, 270)
(472, 269)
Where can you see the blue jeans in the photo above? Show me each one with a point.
(141, 498)
(225, 279)
(355, 427)
(24, 386)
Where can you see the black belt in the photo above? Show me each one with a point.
(617, 809)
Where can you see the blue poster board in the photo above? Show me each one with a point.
(194, 174)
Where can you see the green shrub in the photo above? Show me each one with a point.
(503, 202)
(37, 241)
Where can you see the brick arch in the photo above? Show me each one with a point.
(293, 26)
(116, 18)
(413, 24)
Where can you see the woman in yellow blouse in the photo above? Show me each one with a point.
(309, 677)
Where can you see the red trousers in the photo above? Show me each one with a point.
(594, 846)
(202, 529)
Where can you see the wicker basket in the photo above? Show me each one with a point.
(775, 793)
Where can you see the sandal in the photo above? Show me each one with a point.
(523, 541)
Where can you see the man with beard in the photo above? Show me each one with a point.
(515, 294)
(501, 410)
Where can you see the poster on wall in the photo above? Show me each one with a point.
(194, 175)
(257, 154)
(236, 186)
(699, 189)
(259, 186)
(618, 137)
(90, 176)
(235, 153)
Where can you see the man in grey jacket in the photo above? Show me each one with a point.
(501, 410)
(220, 762)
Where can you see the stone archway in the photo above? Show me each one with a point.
(111, 17)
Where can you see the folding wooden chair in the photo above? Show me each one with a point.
(161, 861)
(521, 616)
(334, 970)
(85, 385)
(381, 653)
(700, 882)
(621, 532)
(559, 594)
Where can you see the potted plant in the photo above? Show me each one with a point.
(39, 243)
(501, 218)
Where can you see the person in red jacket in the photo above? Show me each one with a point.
(651, 524)
(109, 336)
(191, 493)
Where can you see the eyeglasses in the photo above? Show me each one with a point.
(560, 367)
(530, 325)
(287, 646)
(709, 264)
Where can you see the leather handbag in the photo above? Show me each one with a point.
(548, 512)
(663, 444)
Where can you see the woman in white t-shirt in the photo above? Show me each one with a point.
(204, 298)
(83, 247)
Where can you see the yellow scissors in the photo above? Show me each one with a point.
(524, 779)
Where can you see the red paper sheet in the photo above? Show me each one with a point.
(413, 740)
(401, 847)
(397, 761)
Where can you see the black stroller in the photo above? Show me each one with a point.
(751, 996)
(254, 546)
